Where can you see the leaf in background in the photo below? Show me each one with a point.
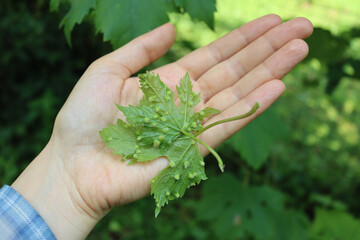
(202, 10)
(235, 211)
(121, 21)
(254, 142)
(327, 201)
(334, 49)
(54, 5)
(336, 55)
(79, 9)
(335, 224)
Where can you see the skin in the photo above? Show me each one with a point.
(75, 180)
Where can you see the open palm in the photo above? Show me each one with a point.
(232, 73)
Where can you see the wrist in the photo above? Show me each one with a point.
(48, 188)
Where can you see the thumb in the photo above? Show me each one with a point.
(140, 52)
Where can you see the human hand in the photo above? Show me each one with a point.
(77, 179)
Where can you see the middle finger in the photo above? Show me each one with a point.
(231, 70)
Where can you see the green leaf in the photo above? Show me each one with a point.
(54, 5)
(202, 10)
(234, 211)
(335, 224)
(333, 51)
(254, 142)
(121, 21)
(122, 139)
(79, 9)
(158, 127)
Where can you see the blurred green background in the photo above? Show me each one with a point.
(293, 173)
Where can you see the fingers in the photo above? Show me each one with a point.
(275, 67)
(206, 57)
(234, 68)
(138, 53)
(265, 95)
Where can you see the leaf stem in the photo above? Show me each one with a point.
(253, 110)
(218, 158)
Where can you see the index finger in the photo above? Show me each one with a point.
(202, 59)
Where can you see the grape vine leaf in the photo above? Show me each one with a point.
(54, 5)
(255, 141)
(235, 211)
(158, 127)
(335, 224)
(202, 10)
(123, 20)
(78, 10)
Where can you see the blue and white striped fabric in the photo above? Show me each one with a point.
(18, 219)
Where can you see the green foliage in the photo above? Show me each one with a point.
(54, 5)
(333, 225)
(327, 201)
(324, 139)
(199, 10)
(333, 51)
(336, 55)
(136, 221)
(32, 96)
(122, 20)
(235, 211)
(79, 9)
(254, 142)
(316, 167)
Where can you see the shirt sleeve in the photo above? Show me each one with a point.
(18, 219)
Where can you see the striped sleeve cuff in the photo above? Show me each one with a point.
(18, 219)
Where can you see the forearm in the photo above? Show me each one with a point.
(47, 187)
